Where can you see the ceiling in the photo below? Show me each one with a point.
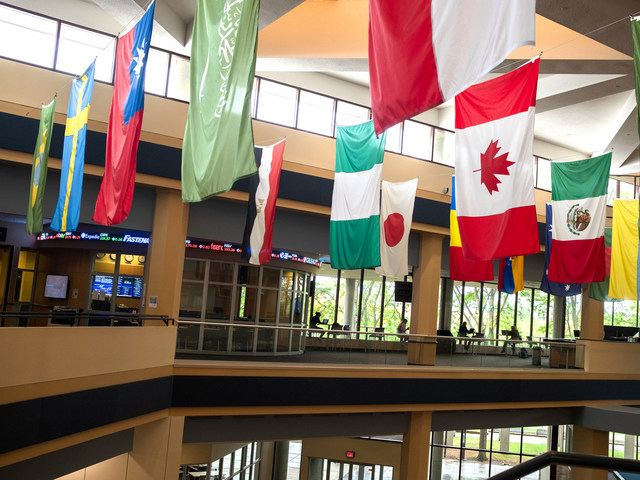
(586, 99)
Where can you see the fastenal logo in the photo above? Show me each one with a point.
(130, 239)
(578, 219)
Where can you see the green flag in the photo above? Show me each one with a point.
(354, 229)
(218, 140)
(39, 169)
(635, 29)
(600, 290)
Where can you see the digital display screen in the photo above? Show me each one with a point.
(56, 286)
(130, 287)
(103, 283)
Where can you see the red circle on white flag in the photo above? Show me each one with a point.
(393, 229)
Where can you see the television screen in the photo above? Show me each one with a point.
(130, 287)
(102, 283)
(56, 286)
(403, 291)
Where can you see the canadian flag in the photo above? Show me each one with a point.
(396, 214)
(494, 166)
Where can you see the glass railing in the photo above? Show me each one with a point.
(264, 342)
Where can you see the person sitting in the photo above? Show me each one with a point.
(512, 334)
(403, 329)
(315, 322)
(464, 331)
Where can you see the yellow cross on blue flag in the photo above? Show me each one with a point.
(67, 214)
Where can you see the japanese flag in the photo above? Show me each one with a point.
(396, 213)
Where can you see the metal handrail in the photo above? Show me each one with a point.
(568, 458)
(57, 314)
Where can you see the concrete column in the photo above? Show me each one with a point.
(447, 306)
(438, 455)
(265, 470)
(315, 469)
(165, 259)
(590, 442)
(557, 330)
(281, 460)
(414, 459)
(157, 448)
(349, 301)
(424, 306)
(630, 447)
(592, 318)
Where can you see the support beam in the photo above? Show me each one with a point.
(414, 461)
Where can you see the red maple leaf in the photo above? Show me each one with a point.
(492, 164)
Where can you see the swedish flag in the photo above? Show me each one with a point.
(39, 170)
(67, 214)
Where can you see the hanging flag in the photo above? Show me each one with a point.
(39, 169)
(354, 229)
(557, 289)
(600, 290)
(460, 268)
(635, 29)
(494, 166)
(218, 141)
(258, 230)
(396, 212)
(511, 274)
(579, 199)
(67, 214)
(125, 121)
(424, 52)
(623, 283)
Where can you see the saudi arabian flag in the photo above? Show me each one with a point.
(355, 206)
(635, 28)
(218, 141)
(39, 170)
(579, 202)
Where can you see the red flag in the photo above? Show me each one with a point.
(125, 121)
(424, 52)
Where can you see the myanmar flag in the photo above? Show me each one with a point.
(578, 196)
(623, 283)
(355, 205)
(600, 290)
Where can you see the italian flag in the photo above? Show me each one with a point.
(579, 200)
(355, 205)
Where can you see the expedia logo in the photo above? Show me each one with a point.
(578, 219)
(130, 239)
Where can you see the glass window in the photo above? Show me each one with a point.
(248, 275)
(348, 114)
(268, 300)
(394, 135)
(246, 299)
(489, 310)
(544, 174)
(277, 103)
(612, 191)
(286, 282)
(507, 311)
(79, 47)
(155, 80)
(573, 310)
(456, 305)
(524, 312)
(191, 301)
(539, 313)
(444, 147)
(221, 272)
(315, 113)
(193, 269)
(27, 37)
(270, 277)
(625, 313)
(626, 191)
(178, 78)
(417, 139)
(218, 302)
(471, 309)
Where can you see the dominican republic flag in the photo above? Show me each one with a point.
(494, 166)
(557, 289)
(460, 268)
(511, 274)
(354, 229)
(579, 199)
(125, 121)
(424, 52)
(396, 215)
(258, 231)
(67, 214)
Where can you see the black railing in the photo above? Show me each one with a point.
(76, 318)
(569, 459)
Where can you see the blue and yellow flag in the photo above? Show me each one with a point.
(39, 170)
(67, 214)
(511, 274)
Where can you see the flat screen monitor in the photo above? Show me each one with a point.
(102, 283)
(130, 287)
(56, 286)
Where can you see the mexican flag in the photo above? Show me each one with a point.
(579, 199)
(355, 205)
